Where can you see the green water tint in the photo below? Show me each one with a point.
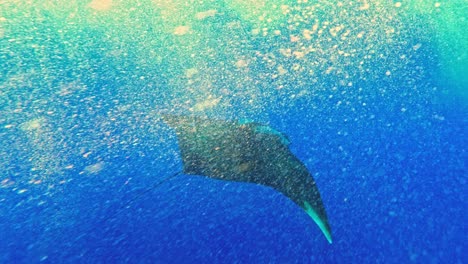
(200, 46)
(446, 22)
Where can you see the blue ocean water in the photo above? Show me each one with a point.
(373, 99)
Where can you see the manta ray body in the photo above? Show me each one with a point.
(247, 152)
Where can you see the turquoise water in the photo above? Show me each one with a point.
(371, 95)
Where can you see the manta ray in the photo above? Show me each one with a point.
(249, 152)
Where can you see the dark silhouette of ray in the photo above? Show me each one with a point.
(247, 152)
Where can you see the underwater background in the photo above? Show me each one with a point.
(373, 96)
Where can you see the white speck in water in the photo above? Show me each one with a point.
(417, 46)
(95, 168)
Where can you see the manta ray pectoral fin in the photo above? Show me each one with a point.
(321, 224)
